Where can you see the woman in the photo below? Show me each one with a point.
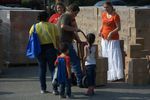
(48, 36)
(60, 8)
(110, 42)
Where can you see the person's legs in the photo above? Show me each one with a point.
(68, 88)
(50, 58)
(62, 90)
(75, 63)
(42, 71)
(91, 78)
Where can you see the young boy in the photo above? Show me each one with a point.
(64, 72)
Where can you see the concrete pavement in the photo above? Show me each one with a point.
(21, 83)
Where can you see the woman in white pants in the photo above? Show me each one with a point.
(110, 42)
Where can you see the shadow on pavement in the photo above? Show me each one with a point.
(121, 95)
(123, 85)
(5, 93)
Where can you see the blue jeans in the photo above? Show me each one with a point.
(91, 74)
(75, 63)
(65, 87)
(46, 57)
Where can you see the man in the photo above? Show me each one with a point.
(68, 29)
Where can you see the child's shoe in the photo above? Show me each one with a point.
(92, 91)
(69, 96)
(88, 93)
(44, 91)
(55, 92)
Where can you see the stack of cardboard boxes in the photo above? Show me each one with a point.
(101, 71)
(15, 30)
(136, 71)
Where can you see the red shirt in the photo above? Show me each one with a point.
(54, 18)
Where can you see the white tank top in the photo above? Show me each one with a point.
(91, 56)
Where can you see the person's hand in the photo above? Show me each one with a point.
(78, 40)
(78, 30)
(69, 76)
(109, 36)
(100, 34)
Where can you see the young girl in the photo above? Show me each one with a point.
(90, 62)
(64, 72)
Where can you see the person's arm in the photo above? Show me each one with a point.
(118, 26)
(74, 24)
(101, 26)
(68, 67)
(66, 24)
(85, 56)
(69, 28)
(57, 38)
(77, 37)
(96, 51)
(85, 52)
(31, 30)
(56, 62)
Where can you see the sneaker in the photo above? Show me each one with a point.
(44, 91)
(68, 97)
(89, 93)
(55, 92)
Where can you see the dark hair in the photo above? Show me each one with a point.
(73, 7)
(109, 4)
(43, 16)
(64, 47)
(60, 4)
(90, 39)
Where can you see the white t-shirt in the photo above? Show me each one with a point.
(91, 56)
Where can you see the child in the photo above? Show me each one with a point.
(64, 71)
(90, 63)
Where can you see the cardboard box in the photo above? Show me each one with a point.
(140, 40)
(138, 65)
(101, 64)
(101, 78)
(137, 51)
(138, 78)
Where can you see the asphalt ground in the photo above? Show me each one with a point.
(22, 83)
